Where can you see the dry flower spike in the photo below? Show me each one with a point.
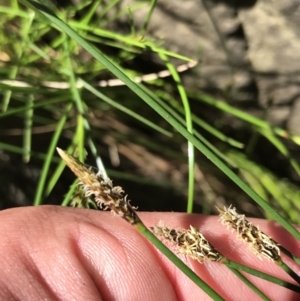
(106, 195)
(189, 242)
(259, 243)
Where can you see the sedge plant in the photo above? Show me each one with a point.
(68, 97)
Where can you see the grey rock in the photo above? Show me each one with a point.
(249, 51)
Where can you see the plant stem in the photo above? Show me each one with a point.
(289, 254)
(288, 270)
(232, 264)
(249, 283)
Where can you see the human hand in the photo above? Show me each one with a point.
(56, 253)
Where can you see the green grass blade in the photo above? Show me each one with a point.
(20, 150)
(80, 138)
(47, 162)
(182, 121)
(288, 270)
(210, 129)
(108, 7)
(189, 126)
(250, 284)
(80, 107)
(14, 12)
(27, 129)
(71, 191)
(124, 109)
(232, 264)
(148, 17)
(55, 175)
(281, 147)
(31, 107)
(268, 186)
(221, 105)
(14, 70)
(88, 16)
(127, 40)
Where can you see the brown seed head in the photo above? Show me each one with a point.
(106, 195)
(259, 243)
(190, 242)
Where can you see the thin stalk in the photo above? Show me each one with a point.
(80, 137)
(289, 254)
(30, 107)
(288, 270)
(14, 11)
(127, 40)
(249, 284)
(123, 108)
(189, 127)
(19, 150)
(269, 134)
(206, 126)
(80, 107)
(148, 17)
(196, 133)
(238, 266)
(131, 22)
(90, 13)
(68, 196)
(220, 36)
(47, 162)
(107, 8)
(58, 171)
(54, 178)
(14, 71)
(28, 129)
(221, 105)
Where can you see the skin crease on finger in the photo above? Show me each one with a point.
(55, 253)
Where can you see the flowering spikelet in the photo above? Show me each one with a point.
(259, 243)
(106, 195)
(79, 199)
(189, 242)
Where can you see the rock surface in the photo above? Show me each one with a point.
(249, 51)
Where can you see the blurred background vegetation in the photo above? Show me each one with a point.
(53, 93)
